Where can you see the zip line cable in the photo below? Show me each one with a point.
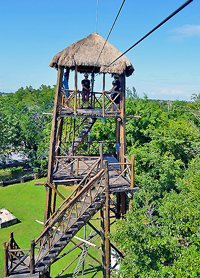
(97, 12)
(150, 32)
(110, 32)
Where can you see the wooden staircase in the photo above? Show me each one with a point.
(81, 136)
(59, 229)
(64, 164)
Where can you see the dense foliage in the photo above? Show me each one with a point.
(24, 127)
(161, 233)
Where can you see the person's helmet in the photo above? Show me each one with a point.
(86, 74)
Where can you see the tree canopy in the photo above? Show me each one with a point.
(23, 125)
(160, 235)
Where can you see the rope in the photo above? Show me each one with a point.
(150, 32)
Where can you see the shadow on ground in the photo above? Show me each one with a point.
(93, 271)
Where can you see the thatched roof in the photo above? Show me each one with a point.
(85, 52)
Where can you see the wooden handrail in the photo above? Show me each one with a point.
(18, 250)
(76, 156)
(119, 163)
(70, 203)
(104, 96)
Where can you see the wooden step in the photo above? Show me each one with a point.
(64, 239)
(25, 275)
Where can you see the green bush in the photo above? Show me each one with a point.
(15, 171)
(11, 173)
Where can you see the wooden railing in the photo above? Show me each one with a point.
(15, 257)
(124, 170)
(71, 165)
(97, 100)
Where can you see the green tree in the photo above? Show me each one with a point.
(161, 239)
(23, 122)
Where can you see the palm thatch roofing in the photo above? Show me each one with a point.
(88, 56)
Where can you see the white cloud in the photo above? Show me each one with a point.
(172, 92)
(186, 31)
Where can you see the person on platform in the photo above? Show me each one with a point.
(66, 83)
(85, 90)
(116, 88)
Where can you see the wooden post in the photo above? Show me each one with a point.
(5, 249)
(122, 122)
(53, 144)
(92, 90)
(123, 202)
(32, 257)
(132, 170)
(77, 166)
(103, 242)
(118, 206)
(103, 104)
(54, 199)
(75, 88)
(107, 222)
(117, 147)
(122, 137)
(101, 153)
(73, 134)
(103, 96)
(104, 81)
(11, 240)
(57, 153)
(59, 136)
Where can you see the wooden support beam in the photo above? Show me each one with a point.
(48, 209)
(102, 242)
(54, 125)
(75, 88)
(123, 203)
(118, 206)
(122, 136)
(107, 223)
(69, 264)
(54, 198)
(103, 96)
(5, 249)
(99, 233)
(32, 257)
(122, 122)
(132, 170)
(92, 89)
(117, 139)
(59, 136)
(101, 153)
(74, 135)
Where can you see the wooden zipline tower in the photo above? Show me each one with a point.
(100, 170)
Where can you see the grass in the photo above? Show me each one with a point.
(27, 202)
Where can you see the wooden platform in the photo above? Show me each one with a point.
(25, 275)
(67, 174)
(89, 112)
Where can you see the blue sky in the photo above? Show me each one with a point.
(167, 63)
